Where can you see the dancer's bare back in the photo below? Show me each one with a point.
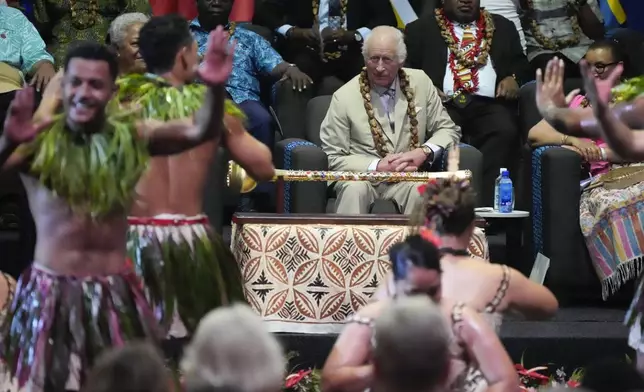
(175, 184)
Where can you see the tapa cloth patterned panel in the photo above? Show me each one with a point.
(309, 278)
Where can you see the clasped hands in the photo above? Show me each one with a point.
(319, 40)
(402, 162)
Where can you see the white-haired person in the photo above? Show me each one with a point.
(411, 347)
(233, 351)
(479, 361)
(388, 118)
(123, 37)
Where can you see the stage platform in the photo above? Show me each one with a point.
(576, 337)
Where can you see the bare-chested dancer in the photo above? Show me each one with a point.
(186, 267)
(79, 170)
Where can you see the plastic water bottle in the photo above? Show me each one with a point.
(496, 189)
(506, 193)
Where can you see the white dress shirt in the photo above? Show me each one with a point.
(509, 9)
(389, 105)
(487, 74)
(323, 21)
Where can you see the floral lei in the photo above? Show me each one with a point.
(343, 14)
(376, 129)
(550, 43)
(474, 59)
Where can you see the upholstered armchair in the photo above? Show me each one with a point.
(305, 154)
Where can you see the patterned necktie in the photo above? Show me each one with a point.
(467, 46)
(389, 101)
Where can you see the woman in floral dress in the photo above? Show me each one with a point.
(63, 22)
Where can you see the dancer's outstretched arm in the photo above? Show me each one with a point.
(249, 152)
(622, 139)
(552, 105)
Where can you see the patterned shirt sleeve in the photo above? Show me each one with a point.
(265, 58)
(32, 49)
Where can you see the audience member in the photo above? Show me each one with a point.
(491, 289)
(476, 61)
(323, 38)
(254, 58)
(388, 118)
(23, 56)
(65, 22)
(478, 357)
(509, 9)
(247, 359)
(135, 367)
(411, 347)
(123, 36)
(609, 215)
(560, 28)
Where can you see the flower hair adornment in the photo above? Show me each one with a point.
(430, 236)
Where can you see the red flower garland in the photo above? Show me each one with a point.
(473, 85)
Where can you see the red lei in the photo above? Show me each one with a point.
(459, 85)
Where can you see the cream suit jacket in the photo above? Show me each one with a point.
(346, 135)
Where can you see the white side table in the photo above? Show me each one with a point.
(513, 222)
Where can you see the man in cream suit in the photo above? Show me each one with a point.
(388, 118)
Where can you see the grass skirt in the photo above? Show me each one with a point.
(58, 325)
(186, 268)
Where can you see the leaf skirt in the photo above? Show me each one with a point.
(186, 268)
(58, 325)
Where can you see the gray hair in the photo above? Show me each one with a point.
(412, 345)
(386, 33)
(119, 26)
(232, 348)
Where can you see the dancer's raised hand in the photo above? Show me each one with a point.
(550, 93)
(218, 58)
(598, 91)
(19, 126)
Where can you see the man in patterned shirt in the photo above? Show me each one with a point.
(560, 28)
(22, 56)
(254, 57)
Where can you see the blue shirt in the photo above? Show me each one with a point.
(20, 44)
(254, 56)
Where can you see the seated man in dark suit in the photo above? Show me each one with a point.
(476, 61)
(324, 39)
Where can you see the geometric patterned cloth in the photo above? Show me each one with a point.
(308, 278)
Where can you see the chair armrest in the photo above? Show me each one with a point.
(302, 197)
(470, 159)
(556, 232)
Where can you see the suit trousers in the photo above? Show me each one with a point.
(259, 123)
(490, 125)
(357, 196)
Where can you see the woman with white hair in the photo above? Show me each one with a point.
(233, 351)
(123, 36)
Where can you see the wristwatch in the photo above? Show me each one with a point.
(428, 151)
(358, 37)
